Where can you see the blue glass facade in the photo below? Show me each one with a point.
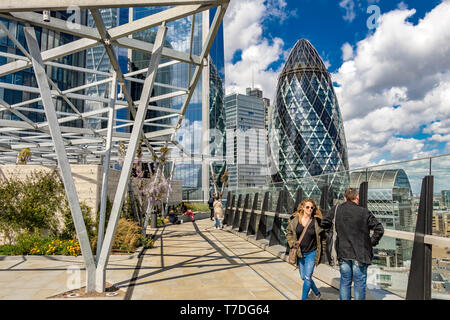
(64, 78)
(306, 131)
(191, 132)
(97, 59)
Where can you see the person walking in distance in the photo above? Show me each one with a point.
(306, 221)
(218, 213)
(353, 243)
(211, 206)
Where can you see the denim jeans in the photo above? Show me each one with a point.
(217, 222)
(356, 272)
(306, 266)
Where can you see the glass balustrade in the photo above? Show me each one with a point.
(393, 197)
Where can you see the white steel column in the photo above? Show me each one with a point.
(101, 222)
(149, 210)
(129, 158)
(205, 111)
(166, 211)
(69, 185)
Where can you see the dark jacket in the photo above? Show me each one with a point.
(353, 225)
(291, 236)
(211, 203)
(173, 218)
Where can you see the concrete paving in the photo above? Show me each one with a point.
(189, 261)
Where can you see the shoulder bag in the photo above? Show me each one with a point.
(331, 242)
(293, 251)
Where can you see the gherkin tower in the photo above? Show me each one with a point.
(306, 132)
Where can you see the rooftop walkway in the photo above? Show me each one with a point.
(189, 261)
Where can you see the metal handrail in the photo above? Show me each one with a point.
(360, 169)
(403, 235)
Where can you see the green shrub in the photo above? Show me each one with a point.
(7, 250)
(33, 244)
(69, 231)
(146, 242)
(128, 237)
(30, 206)
(198, 207)
(29, 210)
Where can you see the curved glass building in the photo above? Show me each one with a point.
(390, 199)
(306, 132)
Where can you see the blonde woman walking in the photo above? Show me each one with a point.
(218, 213)
(307, 220)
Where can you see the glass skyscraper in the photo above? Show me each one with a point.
(245, 141)
(306, 132)
(196, 123)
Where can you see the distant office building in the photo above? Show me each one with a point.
(246, 141)
(439, 223)
(447, 225)
(266, 113)
(255, 92)
(306, 132)
(446, 198)
(390, 199)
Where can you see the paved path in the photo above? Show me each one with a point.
(189, 261)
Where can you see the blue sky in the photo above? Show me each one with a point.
(322, 23)
(392, 81)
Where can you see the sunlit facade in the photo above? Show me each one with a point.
(245, 141)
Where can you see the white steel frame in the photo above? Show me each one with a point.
(51, 142)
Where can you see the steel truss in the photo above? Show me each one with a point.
(52, 142)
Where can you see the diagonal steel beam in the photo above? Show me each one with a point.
(83, 31)
(129, 158)
(101, 223)
(27, 123)
(69, 185)
(114, 34)
(22, 49)
(220, 12)
(55, 5)
(115, 64)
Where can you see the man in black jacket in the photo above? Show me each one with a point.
(211, 206)
(353, 244)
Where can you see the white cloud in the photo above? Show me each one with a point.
(397, 81)
(441, 132)
(190, 137)
(347, 51)
(243, 33)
